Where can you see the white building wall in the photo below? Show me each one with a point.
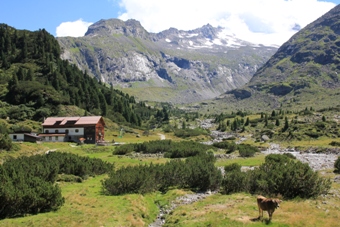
(54, 138)
(18, 136)
(71, 131)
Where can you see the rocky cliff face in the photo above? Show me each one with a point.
(173, 65)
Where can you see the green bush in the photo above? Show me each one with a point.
(335, 143)
(233, 182)
(124, 149)
(278, 175)
(196, 173)
(283, 176)
(247, 150)
(69, 178)
(228, 146)
(169, 148)
(337, 165)
(187, 132)
(276, 158)
(232, 167)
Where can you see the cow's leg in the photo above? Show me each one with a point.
(260, 212)
(270, 213)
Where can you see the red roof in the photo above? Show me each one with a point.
(88, 120)
(57, 121)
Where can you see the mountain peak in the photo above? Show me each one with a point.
(130, 27)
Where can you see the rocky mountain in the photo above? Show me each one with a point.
(173, 65)
(304, 71)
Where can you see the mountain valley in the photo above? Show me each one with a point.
(171, 66)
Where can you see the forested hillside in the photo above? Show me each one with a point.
(35, 82)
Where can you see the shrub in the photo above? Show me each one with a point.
(187, 132)
(247, 150)
(234, 180)
(337, 165)
(278, 175)
(283, 176)
(169, 148)
(289, 155)
(228, 146)
(124, 149)
(232, 167)
(276, 158)
(69, 178)
(196, 173)
(335, 143)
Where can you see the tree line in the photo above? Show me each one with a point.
(37, 81)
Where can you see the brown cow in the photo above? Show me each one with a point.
(267, 204)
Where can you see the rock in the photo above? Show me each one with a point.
(265, 138)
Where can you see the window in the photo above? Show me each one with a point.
(56, 131)
(50, 138)
(66, 131)
(14, 137)
(56, 138)
(77, 130)
(46, 131)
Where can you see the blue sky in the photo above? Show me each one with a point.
(258, 21)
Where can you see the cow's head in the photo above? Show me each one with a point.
(277, 202)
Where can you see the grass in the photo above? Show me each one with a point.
(320, 142)
(241, 210)
(257, 160)
(85, 205)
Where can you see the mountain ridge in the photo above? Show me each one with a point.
(304, 70)
(188, 65)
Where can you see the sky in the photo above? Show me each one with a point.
(268, 22)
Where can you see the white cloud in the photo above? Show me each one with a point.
(76, 28)
(259, 21)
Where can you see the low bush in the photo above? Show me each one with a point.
(278, 175)
(335, 143)
(196, 173)
(169, 148)
(185, 133)
(337, 165)
(247, 150)
(228, 146)
(69, 178)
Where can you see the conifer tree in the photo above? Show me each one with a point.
(277, 122)
(184, 125)
(273, 113)
(285, 127)
(247, 122)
